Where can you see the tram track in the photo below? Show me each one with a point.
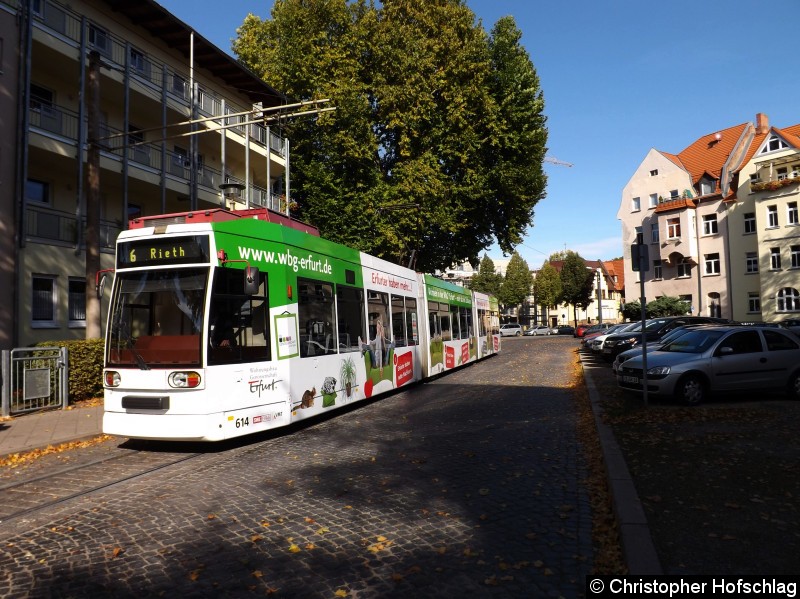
(39, 494)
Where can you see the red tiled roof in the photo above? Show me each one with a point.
(616, 268)
(709, 153)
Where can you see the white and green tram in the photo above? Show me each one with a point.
(225, 323)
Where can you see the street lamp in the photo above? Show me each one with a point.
(231, 192)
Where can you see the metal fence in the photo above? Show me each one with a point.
(34, 378)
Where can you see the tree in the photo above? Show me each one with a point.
(576, 283)
(486, 280)
(517, 283)
(667, 306)
(436, 144)
(547, 288)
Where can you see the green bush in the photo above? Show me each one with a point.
(85, 358)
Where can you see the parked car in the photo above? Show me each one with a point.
(655, 329)
(581, 329)
(654, 345)
(718, 358)
(541, 329)
(565, 329)
(511, 329)
(594, 341)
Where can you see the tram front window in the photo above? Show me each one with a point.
(157, 318)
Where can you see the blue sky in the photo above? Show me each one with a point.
(619, 77)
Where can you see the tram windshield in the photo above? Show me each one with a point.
(157, 318)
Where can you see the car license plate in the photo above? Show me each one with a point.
(630, 379)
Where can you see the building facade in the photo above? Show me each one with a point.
(720, 225)
(126, 90)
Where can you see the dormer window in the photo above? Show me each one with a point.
(774, 143)
(654, 172)
(707, 186)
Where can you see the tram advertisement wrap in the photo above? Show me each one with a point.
(404, 368)
(449, 357)
(465, 353)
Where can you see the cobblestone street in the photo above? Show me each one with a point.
(470, 485)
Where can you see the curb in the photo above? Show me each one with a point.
(637, 543)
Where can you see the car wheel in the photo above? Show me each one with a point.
(519, 333)
(793, 389)
(691, 389)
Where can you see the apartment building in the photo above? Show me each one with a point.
(126, 90)
(720, 222)
(765, 229)
(607, 298)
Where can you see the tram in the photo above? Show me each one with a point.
(224, 323)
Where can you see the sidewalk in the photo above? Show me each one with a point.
(52, 427)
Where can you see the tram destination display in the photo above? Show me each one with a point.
(169, 250)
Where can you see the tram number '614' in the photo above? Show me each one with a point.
(240, 422)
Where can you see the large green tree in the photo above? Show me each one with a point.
(547, 288)
(487, 279)
(517, 283)
(577, 283)
(435, 148)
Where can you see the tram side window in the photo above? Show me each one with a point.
(378, 316)
(466, 323)
(482, 320)
(433, 320)
(315, 311)
(238, 322)
(398, 321)
(350, 312)
(412, 327)
(455, 322)
(444, 321)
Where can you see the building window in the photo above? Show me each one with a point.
(179, 86)
(772, 216)
(99, 40)
(37, 191)
(139, 62)
(749, 223)
(653, 200)
(791, 213)
(654, 173)
(714, 305)
(654, 232)
(688, 300)
(782, 173)
(753, 302)
(712, 264)
(795, 250)
(639, 235)
(684, 268)
(775, 258)
(673, 195)
(707, 186)
(77, 302)
(636, 205)
(710, 224)
(43, 301)
(774, 144)
(788, 300)
(658, 269)
(751, 264)
(673, 228)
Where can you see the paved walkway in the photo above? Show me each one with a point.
(37, 430)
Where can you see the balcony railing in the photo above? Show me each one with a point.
(65, 24)
(45, 224)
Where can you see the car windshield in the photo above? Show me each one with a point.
(654, 325)
(693, 342)
(672, 335)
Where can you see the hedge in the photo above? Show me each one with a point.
(85, 360)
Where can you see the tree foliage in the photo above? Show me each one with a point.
(577, 282)
(659, 307)
(517, 282)
(486, 280)
(547, 286)
(438, 136)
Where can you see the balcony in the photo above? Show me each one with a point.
(45, 225)
(775, 183)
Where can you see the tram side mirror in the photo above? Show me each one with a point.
(251, 280)
(101, 285)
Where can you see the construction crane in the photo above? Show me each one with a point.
(556, 161)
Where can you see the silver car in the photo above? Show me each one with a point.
(511, 329)
(718, 358)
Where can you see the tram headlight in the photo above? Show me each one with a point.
(184, 380)
(112, 378)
